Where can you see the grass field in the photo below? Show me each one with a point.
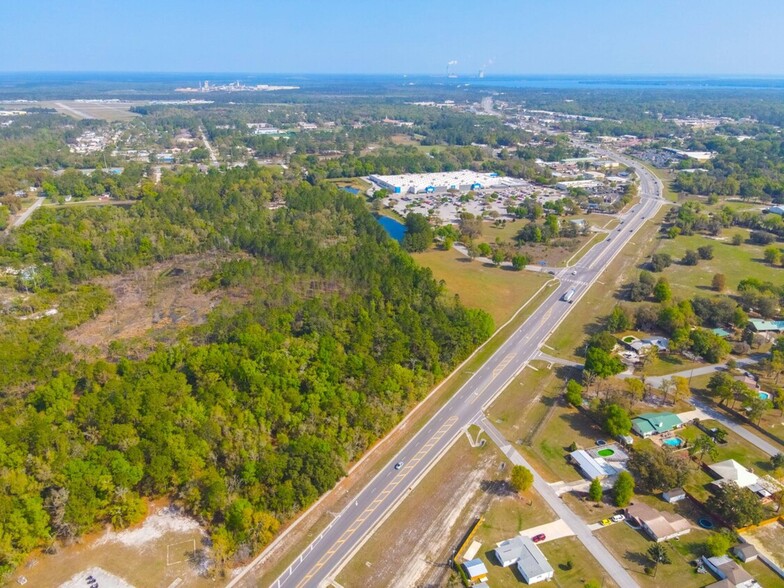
(596, 303)
(498, 291)
(357, 183)
(736, 262)
(630, 548)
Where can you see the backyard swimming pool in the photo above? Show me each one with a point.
(673, 442)
(607, 452)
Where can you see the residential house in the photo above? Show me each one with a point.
(765, 326)
(655, 423)
(730, 470)
(531, 562)
(592, 467)
(660, 525)
(727, 569)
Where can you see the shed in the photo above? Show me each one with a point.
(476, 570)
(674, 495)
(745, 552)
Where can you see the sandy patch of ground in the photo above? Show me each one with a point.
(102, 579)
(156, 553)
(155, 526)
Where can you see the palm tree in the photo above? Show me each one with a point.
(658, 554)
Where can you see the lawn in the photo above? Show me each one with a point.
(735, 448)
(584, 566)
(584, 319)
(505, 518)
(736, 262)
(530, 413)
(499, 291)
(631, 546)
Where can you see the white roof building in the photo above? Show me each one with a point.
(731, 471)
(531, 562)
(592, 467)
(432, 182)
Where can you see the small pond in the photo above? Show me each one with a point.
(394, 229)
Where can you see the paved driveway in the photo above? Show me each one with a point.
(552, 531)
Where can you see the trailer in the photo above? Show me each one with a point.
(569, 295)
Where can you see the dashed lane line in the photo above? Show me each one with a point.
(379, 499)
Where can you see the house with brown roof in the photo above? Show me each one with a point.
(659, 525)
(729, 572)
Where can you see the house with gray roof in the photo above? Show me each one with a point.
(531, 562)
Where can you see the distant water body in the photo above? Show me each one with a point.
(316, 81)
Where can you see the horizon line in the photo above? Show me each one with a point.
(471, 74)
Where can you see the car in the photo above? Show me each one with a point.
(538, 538)
(617, 518)
(606, 522)
(609, 239)
(574, 273)
(398, 465)
(631, 230)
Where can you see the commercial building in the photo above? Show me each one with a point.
(439, 181)
(531, 562)
(655, 423)
(581, 184)
(659, 525)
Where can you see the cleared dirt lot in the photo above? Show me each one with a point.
(154, 553)
(156, 300)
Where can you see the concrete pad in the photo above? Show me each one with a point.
(554, 530)
(690, 415)
(472, 550)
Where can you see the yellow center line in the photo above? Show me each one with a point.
(386, 492)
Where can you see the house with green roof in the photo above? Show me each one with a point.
(655, 423)
(763, 326)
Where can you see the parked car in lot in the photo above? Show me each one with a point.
(538, 538)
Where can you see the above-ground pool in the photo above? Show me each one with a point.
(705, 523)
(764, 395)
(606, 452)
(673, 442)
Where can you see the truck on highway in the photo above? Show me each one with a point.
(569, 295)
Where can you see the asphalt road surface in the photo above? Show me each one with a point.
(355, 524)
(25, 216)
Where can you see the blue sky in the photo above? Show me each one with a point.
(395, 36)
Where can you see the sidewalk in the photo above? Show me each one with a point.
(616, 571)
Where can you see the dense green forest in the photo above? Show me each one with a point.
(253, 414)
(753, 168)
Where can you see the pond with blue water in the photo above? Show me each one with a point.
(394, 229)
